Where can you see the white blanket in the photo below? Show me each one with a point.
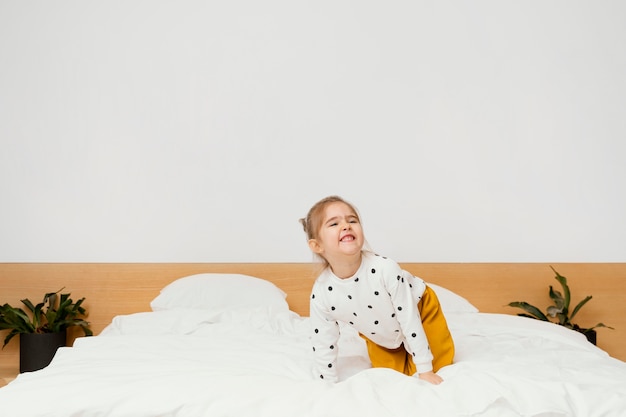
(259, 363)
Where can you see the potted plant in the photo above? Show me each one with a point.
(44, 328)
(559, 313)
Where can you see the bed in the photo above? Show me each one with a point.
(229, 344)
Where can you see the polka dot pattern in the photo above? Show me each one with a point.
(388, 320)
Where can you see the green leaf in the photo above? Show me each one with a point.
(553, 311)
(579, 306)
(566, 293)
(599, 325)
(51, 298)
(20, 317)
(28, 304)
(560, 310)
(9, 337)
(55, 313)
(78, 306)
(530, 309)
(558, 299)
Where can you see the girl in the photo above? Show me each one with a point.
(396, 313)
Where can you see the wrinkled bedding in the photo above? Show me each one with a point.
(258, 362)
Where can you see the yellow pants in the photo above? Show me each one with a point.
(437, 333)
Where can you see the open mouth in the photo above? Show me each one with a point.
(347, 238)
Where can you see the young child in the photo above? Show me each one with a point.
(396, 313)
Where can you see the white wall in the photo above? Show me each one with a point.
(189, 130)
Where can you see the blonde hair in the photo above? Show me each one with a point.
(312, 223)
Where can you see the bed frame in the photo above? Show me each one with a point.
(113, 289)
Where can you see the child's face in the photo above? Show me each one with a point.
(341, 235)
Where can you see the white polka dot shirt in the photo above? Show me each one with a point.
(379, 301)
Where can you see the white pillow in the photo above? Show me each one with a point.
(452, 302)
(220, 292)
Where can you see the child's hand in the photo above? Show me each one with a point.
(431, 377)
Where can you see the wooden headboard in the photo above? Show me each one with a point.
(113, 289)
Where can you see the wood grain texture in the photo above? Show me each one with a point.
(114, 289)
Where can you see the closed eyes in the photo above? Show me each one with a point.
(335, 221)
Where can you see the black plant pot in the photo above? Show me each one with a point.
(591, 335)
(38, 349)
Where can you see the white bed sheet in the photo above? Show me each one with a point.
(259, 363)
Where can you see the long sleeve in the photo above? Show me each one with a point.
(405, 292)
(324, 337)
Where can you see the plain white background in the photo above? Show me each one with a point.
(200, 131)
